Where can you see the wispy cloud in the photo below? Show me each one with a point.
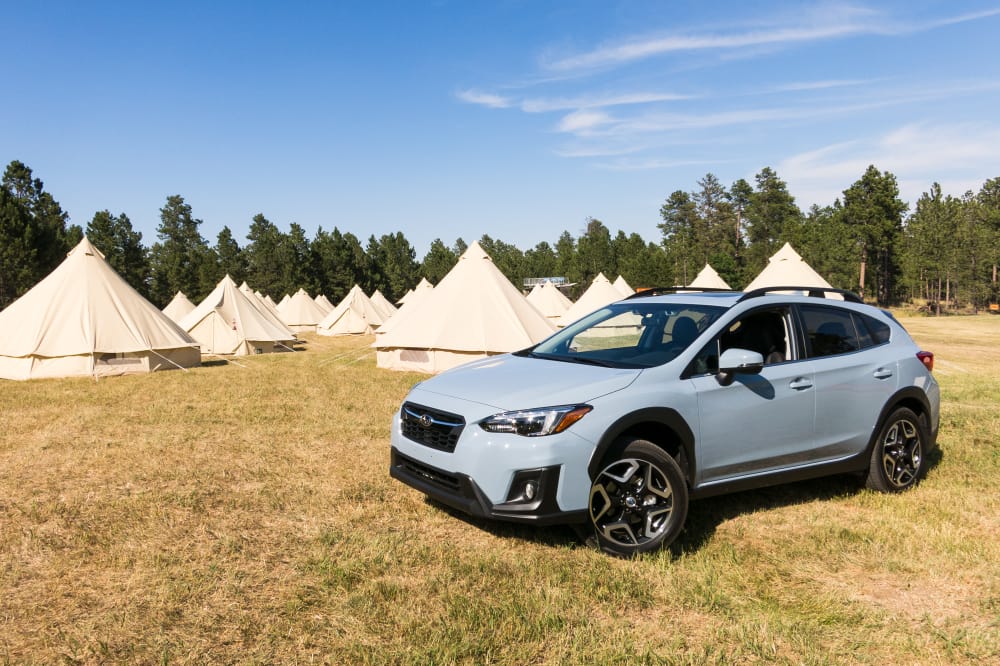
(484, 99)
(541, 105)
(917, 154)
(587, 101)
(649, 164)
(825, 23)
(805, 86)
(584, 121)
(659, 122)
(594, 150)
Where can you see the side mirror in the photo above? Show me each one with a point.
(737, 361)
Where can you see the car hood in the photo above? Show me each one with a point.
(509, 382)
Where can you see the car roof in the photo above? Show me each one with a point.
(727, 298)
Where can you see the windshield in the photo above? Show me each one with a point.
(629, 334)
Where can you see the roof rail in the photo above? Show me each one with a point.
(814, 292)
(659, 291)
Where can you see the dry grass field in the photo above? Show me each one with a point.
(243, 513)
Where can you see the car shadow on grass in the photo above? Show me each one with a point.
(704, 515)
(703, 518)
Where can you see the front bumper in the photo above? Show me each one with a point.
(460, 492)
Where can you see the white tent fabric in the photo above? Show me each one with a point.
(178, 307)
(423, 285)
(709, 279)
(382, 304)
(228, 322)
(600, 293)
(787, 268)
(472, 313)
(623, 287)
(405, 297)
(548, 300)
(412, 303)
(354, 315)
(85, 319)
(301, 313)
(269, 311)
(324, 303)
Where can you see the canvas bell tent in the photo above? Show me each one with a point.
(301, 313)
(416, 297)
(324, 303)
(707, 278)
(84, 319)
(354, 315)
(382, 304)
(228, 322)
(787, 268)
(598, 294)
(472, 313)
(623, 287)
(548, 300)
(178, 307)
(268, 309)
(423, 285)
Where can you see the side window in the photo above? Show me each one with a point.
(763, 331)
(706, 362)
(829, 331)
(879, 330)
(864, 335)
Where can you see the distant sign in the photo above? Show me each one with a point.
(531, 282)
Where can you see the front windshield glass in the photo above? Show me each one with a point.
(630, 334)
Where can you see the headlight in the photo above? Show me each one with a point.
(535, 422)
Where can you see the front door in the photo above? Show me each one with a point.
(762, 422)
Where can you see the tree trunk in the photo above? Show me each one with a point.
(862, 284)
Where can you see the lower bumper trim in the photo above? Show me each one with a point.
(460, 492)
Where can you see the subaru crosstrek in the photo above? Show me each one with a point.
(616, 421)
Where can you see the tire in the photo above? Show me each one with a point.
(638, 501)
(899, 453)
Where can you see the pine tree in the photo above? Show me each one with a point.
(438, 261)
(179, 260)
(874, 212)
(122, 248)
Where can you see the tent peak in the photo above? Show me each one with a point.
(87, 248)
(475, 251)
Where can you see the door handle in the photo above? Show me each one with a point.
(800, 384)
(882, 373)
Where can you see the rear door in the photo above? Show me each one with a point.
(854, 377)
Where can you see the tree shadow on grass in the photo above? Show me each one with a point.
(704, 515)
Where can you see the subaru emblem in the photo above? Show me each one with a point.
(426, 420)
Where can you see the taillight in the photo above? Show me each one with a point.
(927, 358)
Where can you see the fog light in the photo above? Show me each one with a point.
(527, 487)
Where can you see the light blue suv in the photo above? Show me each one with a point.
(617, 420)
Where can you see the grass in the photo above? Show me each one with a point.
(244, 514)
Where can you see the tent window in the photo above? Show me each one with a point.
(120, 358)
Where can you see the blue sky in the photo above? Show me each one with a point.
(519, 119)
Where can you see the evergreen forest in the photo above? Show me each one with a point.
(940, 253)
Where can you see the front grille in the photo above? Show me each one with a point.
(432, 475)
(430, 427)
